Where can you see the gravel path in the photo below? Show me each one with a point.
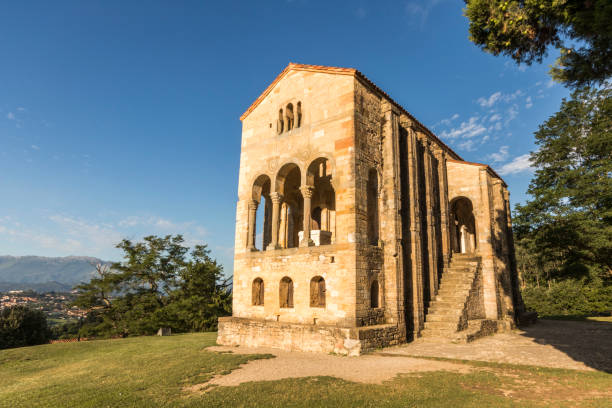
(372, 369)
(548, 343)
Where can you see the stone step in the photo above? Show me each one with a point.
(454, 308)
(455, 285)
(446, 304)
(429, 333)
(451, 298)
(456, 281)
(442, 325)
(465, 256)
(454, 291)
(447, 318)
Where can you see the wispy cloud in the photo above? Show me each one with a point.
(519, 164)
(418, 11)
(499, 156)
(361, 12)
(528, 102)
(469, 129)
(11, 116)
(69, 235)
(490, 101)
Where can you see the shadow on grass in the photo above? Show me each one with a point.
(585, 340)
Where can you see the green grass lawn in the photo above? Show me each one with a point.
(155, 372)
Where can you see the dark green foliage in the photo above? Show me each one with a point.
(564, 234)
(569, 297)
(160, 284)
(21, 326)
(525, 29)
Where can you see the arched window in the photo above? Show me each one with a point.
(298, 114)
(323, 214)
(258, 292)
(286, 293)
(372, 204)
(289, 116)
(260, 213)
(317, 292)
(374, 295)
(291, 217)
(463, 238)
(280, 123)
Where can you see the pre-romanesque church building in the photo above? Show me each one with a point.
(356, 227)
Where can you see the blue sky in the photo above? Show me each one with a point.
(121, 119)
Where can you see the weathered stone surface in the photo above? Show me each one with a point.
(339, 185)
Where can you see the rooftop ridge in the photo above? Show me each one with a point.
(360, 75)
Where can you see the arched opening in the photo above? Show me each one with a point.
(280, 124)
(260, 214)
(298, 114)
(463, 225)
(258, 292)
(316, 219)
(289, 119)
(323, 214)
(286, 293)
(317, 292)
(372, 207)
(291, 211)
(374, 294)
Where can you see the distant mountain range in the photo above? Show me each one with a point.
(44, 274)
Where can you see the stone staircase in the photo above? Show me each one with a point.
(448, 314)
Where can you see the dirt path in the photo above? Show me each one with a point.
(548, 343)
(557, 344)
(364, 369)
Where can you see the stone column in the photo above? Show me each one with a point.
(444, 213)
(415, 236)
(307, 195)
(431, 234)
(276, 201)
(252, 227)
(485, 247)
(282, 235)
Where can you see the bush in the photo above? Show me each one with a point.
(569, 297)
(21, 326)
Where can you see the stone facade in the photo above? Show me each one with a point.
(349, 213)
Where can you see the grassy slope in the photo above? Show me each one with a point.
(152, 371)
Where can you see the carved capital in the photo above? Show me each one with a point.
(253, 204)
(276, 197)
(306, 191)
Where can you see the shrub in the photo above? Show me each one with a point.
(569, 297)
(21, 326)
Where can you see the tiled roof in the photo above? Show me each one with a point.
(356, 73)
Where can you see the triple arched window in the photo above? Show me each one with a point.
(285, 292)
(289, 118)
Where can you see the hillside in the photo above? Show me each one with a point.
(45, 273)
(173, 372)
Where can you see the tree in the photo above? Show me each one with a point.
(21, 326)
(567, 225)
(525, 30)
(159, 284)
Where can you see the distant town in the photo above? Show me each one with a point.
(54, 304)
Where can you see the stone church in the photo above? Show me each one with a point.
(357, 228)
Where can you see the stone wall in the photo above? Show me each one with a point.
(335, 263)
(303, 337)
(288, 336)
